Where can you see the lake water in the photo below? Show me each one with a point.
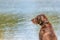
(24, 30)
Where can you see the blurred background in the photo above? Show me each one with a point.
(16, 15)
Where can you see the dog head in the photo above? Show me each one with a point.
(40, 19)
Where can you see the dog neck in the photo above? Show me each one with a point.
(46, 24)
(43, 22)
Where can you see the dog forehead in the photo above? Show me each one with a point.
(40, 15)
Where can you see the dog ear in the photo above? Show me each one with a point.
(43, 18)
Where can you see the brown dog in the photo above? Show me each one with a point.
(46, 31)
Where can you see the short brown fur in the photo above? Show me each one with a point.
(46, 32)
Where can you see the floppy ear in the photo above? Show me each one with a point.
(43, 18)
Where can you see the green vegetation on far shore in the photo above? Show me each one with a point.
(8, 20)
